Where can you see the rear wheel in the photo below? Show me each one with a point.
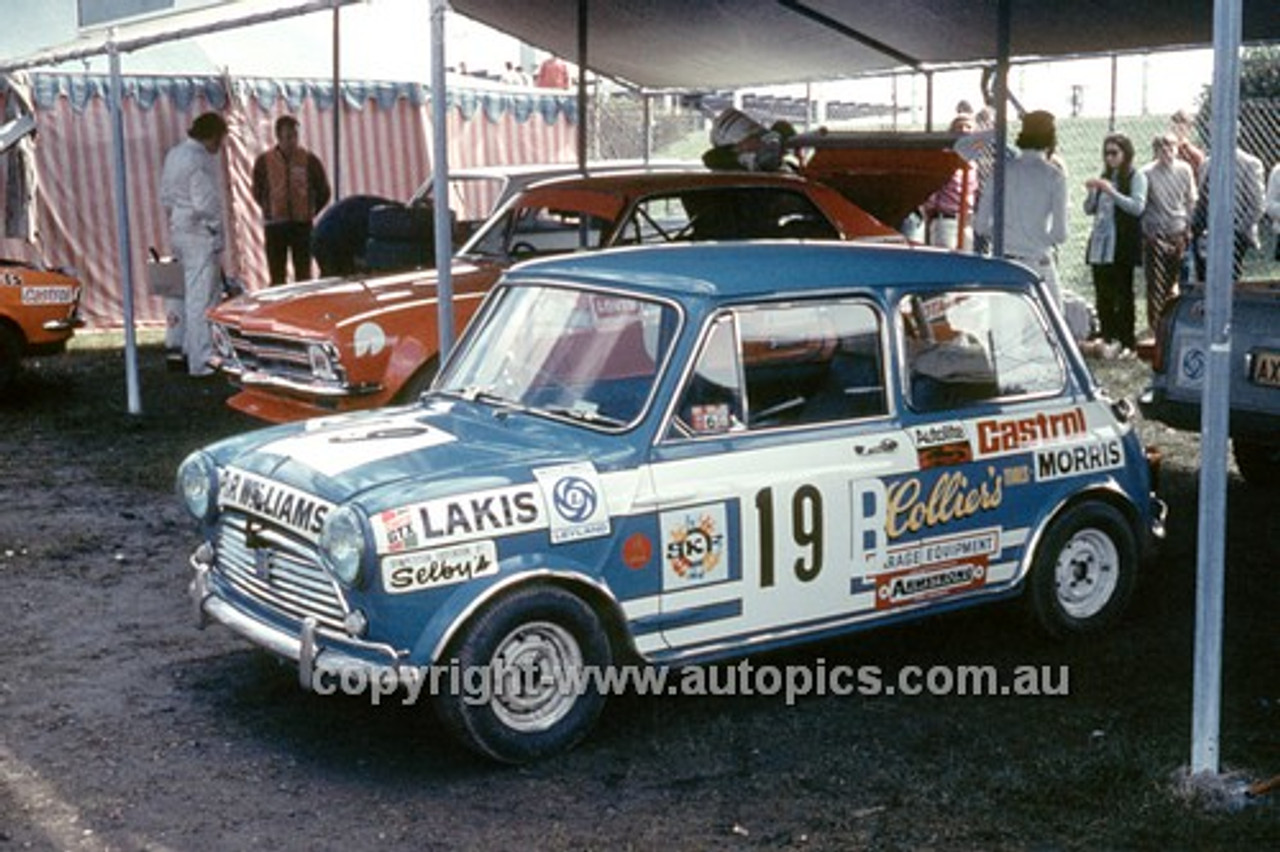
(521, 663)
(1259, 463)
(10, 356)
(1084, 570)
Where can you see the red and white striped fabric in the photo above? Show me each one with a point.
(385, 150)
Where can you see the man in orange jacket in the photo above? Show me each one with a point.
(291, 187)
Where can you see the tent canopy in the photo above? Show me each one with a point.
(730, 44)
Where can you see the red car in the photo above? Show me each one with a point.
(331, 346)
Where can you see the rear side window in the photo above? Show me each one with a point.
(724, 214)
(775, 366)
(970, 347)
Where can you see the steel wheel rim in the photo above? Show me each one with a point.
(528, 676)
(1087, 573)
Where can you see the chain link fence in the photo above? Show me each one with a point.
(1090, 98)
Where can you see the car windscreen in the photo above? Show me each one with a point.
(591, 356)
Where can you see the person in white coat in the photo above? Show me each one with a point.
(191, 192)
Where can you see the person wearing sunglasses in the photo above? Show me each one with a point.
(1116, 199)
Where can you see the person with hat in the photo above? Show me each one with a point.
(191, 192)
(291, 187)
(1035, 201)
(739, 142)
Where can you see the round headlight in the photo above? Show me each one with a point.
(342, 544)
(322, 366)
(198, 485)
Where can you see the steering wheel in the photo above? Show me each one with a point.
(523, 248)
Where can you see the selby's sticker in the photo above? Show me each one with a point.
(297, 510)
(576, 508)
(442, 566)
(334, 451)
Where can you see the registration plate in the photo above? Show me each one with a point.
(1265, 368)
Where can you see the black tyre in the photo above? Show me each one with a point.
(533, 645)
(1084, 570)
(10, 356)
(418, 382)
(1259, 463)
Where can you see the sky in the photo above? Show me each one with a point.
(390, 40)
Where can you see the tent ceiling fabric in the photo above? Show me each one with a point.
(732, 43)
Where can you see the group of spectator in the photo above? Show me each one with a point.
(1157, 214)
(1154, 215)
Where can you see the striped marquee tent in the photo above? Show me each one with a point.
(385, 134)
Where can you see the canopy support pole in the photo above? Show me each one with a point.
(337, 102)
(1003, 38)
(1214, 410)
(132, 390)
(440, 181)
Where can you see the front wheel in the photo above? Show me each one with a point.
(1084, 570)
(523, 664)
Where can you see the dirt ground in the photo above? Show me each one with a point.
(126, 728)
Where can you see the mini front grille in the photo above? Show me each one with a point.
(279, 570)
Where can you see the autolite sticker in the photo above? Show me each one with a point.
(441, 566)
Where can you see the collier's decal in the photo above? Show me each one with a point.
(297, 510)
(1006, 436)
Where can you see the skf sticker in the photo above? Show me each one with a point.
(573, 495)
(443, 566)
(1079, 459)
(693, 544)
(289, 507)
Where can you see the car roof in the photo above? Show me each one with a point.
(635, 182)
(733, 271)
(517, 177)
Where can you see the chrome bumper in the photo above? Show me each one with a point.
(259, 379)
(306, 648)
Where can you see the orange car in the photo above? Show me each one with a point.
(38, 314)
(330, 346)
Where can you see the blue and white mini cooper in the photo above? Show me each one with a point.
(679, 454)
